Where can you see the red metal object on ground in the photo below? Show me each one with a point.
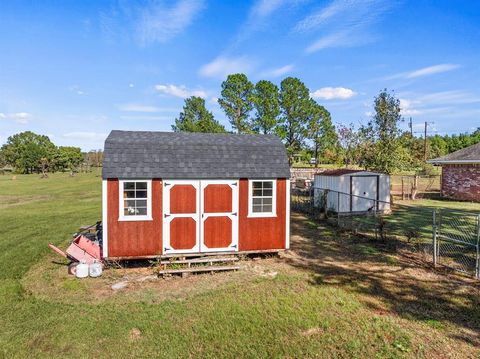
(81, 249)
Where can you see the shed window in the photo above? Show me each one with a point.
(262, 198)
(135, 200)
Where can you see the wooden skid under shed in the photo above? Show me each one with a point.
(198, 269)
(201, 260)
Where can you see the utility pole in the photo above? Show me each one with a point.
(411, 127)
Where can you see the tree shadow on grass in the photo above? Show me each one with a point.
(389, 282)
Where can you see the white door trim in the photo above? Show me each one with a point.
(167, 217)
(104, 219)
(233, 215)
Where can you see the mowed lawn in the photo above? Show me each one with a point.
(331, 296)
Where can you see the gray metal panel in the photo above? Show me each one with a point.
(181, 155)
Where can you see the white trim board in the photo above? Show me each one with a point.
(121, 216)
(250, 213)
(233, 215)
(104, 218)
(167, 217)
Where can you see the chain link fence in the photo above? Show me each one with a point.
(456, 237)
(415, 187)
(408, 228)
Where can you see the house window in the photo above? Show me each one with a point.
(262, 198)
(135, 200)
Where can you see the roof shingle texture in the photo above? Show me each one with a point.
(181, 155)
(471, 153)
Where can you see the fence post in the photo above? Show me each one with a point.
(477, 259)
(434, 238)
(375, 219)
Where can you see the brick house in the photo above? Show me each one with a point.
(461, 174)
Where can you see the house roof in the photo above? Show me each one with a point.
(469, 154)
(182, 155)
(338, 172)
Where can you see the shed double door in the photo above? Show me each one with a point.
(365, 193)
(200, 216)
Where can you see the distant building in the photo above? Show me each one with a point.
(461, 174)
(353, 191)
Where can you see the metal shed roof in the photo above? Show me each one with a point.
(469, 154)
(338, 172)
(182, 155)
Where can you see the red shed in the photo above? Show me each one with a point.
(170, 193)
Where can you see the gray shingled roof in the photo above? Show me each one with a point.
(181, 155)
(469, 154)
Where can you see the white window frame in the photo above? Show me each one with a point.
(250, 199)
(121, 207)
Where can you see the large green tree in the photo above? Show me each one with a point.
(237, 101)
(383, 149)
(68, 158)
(295, 108)
(196, 118)
(267, 107)
(29, 152)
(321, 132)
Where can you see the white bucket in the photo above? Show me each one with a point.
(95, 269)
(82, 270)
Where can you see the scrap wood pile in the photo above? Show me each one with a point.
(84, 251)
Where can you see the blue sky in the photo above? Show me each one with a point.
(75, 70)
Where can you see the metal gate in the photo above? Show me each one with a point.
(456, 237)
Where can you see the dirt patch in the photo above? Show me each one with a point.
(312, 331)
(135, 334)
(7, 201)
(49, 281)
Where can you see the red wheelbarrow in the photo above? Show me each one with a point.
(81, 249)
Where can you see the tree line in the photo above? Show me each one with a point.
(287, 111)
(28, 152)
(307, 130)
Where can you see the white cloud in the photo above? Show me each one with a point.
(436, 69)
(76, 89)
(343, 23)
(444, 103)
(406, 108)
(179, 91)
(321, 16)
(136, 107)
(221, 67)
(337, 39)
(263, 8)
(279, 71)
(425, 71)
(450, 97)
(18, 117)
(331, 93)
(160, 23)
(214, 100)
(131, 85)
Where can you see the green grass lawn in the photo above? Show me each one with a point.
(317, 310)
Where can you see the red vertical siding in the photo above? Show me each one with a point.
(144, 238)
(261, 233)
(134, 238)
